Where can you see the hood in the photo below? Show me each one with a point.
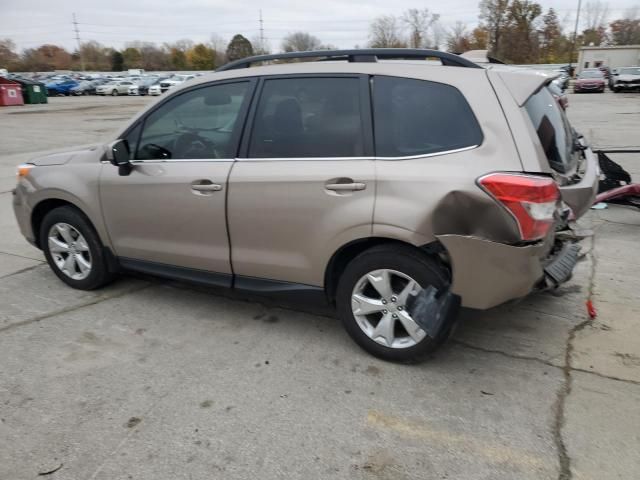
(628, 77)
(60, 157)
(589, 80)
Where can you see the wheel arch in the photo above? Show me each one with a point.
(341, 258)
(45, 206)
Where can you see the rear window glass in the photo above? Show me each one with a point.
(417, 117)
(554, 131)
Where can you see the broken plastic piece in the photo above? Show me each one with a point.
(434, 312)
(591, 310)
(599, 206)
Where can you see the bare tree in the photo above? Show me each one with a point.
(300, 42)
(458, 39)
(384, 32)
(595, 15)
(420, 22)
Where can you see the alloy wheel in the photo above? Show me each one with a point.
(379, 305)
(69, 251)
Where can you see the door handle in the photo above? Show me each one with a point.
(209, 187)
(346, 187)
(205, 185)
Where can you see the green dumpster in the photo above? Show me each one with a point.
(32, 91)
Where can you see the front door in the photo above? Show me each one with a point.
(306, 183)
(170, 210)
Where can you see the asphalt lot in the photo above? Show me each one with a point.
(149, 379)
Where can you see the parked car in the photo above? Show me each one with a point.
(563, 78)
(119, 87)
(155, 89)
(591, 80)
(558, 94)
(142, 87)
(625, 79)
(265, 179)
(60, 87)
(173, 81)
(85, 87)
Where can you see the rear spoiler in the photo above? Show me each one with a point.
(523, 83)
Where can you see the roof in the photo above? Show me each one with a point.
(612, 47)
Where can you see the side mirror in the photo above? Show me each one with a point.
(118, 154)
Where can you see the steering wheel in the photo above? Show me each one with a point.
(191, 145)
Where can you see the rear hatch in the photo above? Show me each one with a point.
(557, 148)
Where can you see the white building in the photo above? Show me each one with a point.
(612, 57)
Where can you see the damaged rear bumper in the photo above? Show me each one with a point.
(486, 273)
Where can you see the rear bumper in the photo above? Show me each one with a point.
(580, 196)
(486, 273)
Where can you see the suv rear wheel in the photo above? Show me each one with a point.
(373, 296)
(73, 250)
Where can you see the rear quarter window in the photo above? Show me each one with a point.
(553, 129)
(418, 117)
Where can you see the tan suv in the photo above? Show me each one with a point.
(392, 187)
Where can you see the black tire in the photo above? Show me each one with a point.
(409, 261)
(100, 274)
(114, 93)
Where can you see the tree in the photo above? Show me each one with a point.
(521, 36)
(46, 58)
(495, 16)
(479, 38)
(117, 61)
(202, 57)
(177, 52)
(384, 33)
(550, 38)
(595, 15)
(239, 47)
(458, 39)
(9, 59)
(132, 58)
(300, 42)
(420, 22)
(626, 31)
(94, 56)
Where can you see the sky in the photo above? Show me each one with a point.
(30, 23)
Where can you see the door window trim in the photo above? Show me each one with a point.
(236, 137)
(365, 117)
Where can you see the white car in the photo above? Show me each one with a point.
(114, 88)
(155, 89)
(133, 90)
(173, 81)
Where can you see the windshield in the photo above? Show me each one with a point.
(553, 129)
(630, 71)
(592, 74)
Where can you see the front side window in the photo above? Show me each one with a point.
(418, 117)
(308, 117)
(198, 124)
(553, 129)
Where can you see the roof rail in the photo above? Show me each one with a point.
(357, 55)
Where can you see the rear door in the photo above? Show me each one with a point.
(170, 210)
(306, 183)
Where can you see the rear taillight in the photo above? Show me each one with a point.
(532, 200)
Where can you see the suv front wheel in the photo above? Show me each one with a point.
(73, 250)
(374, 297)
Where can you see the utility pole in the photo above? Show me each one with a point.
(575, 35)
(77, 31)
(261, 33)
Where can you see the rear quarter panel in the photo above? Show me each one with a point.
(420, 198)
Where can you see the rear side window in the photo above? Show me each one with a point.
(308, 117)
(553, 130)
(417, 117)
